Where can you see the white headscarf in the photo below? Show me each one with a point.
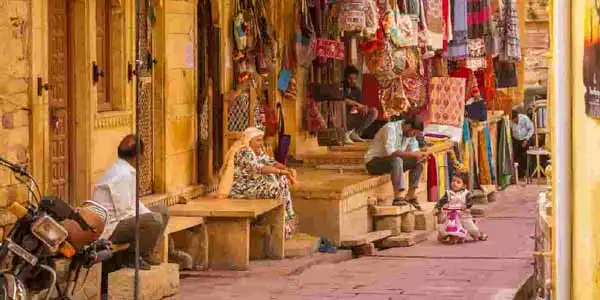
(228, 169)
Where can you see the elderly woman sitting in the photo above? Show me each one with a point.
(249, 173)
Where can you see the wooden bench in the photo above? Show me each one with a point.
(232, 242)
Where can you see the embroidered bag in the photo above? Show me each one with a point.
(329, 49)
(305, 35)
(313, 119)
(352, 16)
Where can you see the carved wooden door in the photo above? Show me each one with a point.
(103, 54)
(146, 120)
(58, 97)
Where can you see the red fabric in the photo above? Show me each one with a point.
(432, 180)
(445, 21)
(472, 87)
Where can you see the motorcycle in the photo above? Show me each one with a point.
(452, 232)
(44, 233)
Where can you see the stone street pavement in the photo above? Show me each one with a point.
(484, 270)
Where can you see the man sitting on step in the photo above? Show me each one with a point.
(395, 150)
(116, 191)
(359, 116)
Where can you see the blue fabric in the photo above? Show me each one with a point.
(449, 170)
(284, 80)
(488, 146)
(466, 131)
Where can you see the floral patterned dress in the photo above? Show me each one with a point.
(250, 183)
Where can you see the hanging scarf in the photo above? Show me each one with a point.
(457, 47)
(511, 47)
(228, 169)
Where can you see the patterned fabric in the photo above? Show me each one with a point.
(329, 49)
(511, 45)
(447, 105)
(249, 183)
(480, 20)
(415, 89)
(436, 22)
(476, 49)
(471, 90)
(352, 15)
(405, 33)
(457, 47)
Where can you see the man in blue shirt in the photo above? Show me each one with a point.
(395, 150)
(359, 116)
(522, 130)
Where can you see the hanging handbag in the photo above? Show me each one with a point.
(329, 49)
(313, 119)
(477, 111)
(331, 136)
(305, 35)
(285, 140)
(352, 15)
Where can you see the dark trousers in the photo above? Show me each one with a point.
(152, 226)
(359, 122)
(396, 166)
(520, 156)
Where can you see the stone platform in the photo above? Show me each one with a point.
(160, 282)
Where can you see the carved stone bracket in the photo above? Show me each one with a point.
(110, 121)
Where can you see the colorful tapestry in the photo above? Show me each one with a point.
(493, 134)
(447, 101)
(432, 179)
(505, 163)
(480, 21)
(511, 45)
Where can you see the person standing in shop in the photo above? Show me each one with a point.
(359, 116)
(522, 130)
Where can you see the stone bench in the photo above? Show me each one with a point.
(231, 240)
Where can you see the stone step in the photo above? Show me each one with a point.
(388, 210)
(301, 245)
(365, 238)
(403, 239)
(425, 221)
(158, 283)
(343, 168)
(356, 147)
(333, 158)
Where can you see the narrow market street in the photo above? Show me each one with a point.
(494, 269)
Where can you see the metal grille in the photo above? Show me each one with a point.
(238, 114)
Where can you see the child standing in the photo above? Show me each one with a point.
(459, 196)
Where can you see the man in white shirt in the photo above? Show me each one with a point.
(522, 130)
(116, 191)
(395, 150)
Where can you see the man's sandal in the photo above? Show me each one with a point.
(483, 237)
(415, 203)
(399, 202)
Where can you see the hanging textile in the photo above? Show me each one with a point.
(504, 158)
(483, 166)
(489, 154)
(476, 51)
(447, 19)
(457, 47)
(415, 89)
(480, 23)
(493, 133)
(439, 157)
(432, 181)
(439, 66)
(435, 22)
(449, 169)
(471, 87)
(447, 105)
(511, 45)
